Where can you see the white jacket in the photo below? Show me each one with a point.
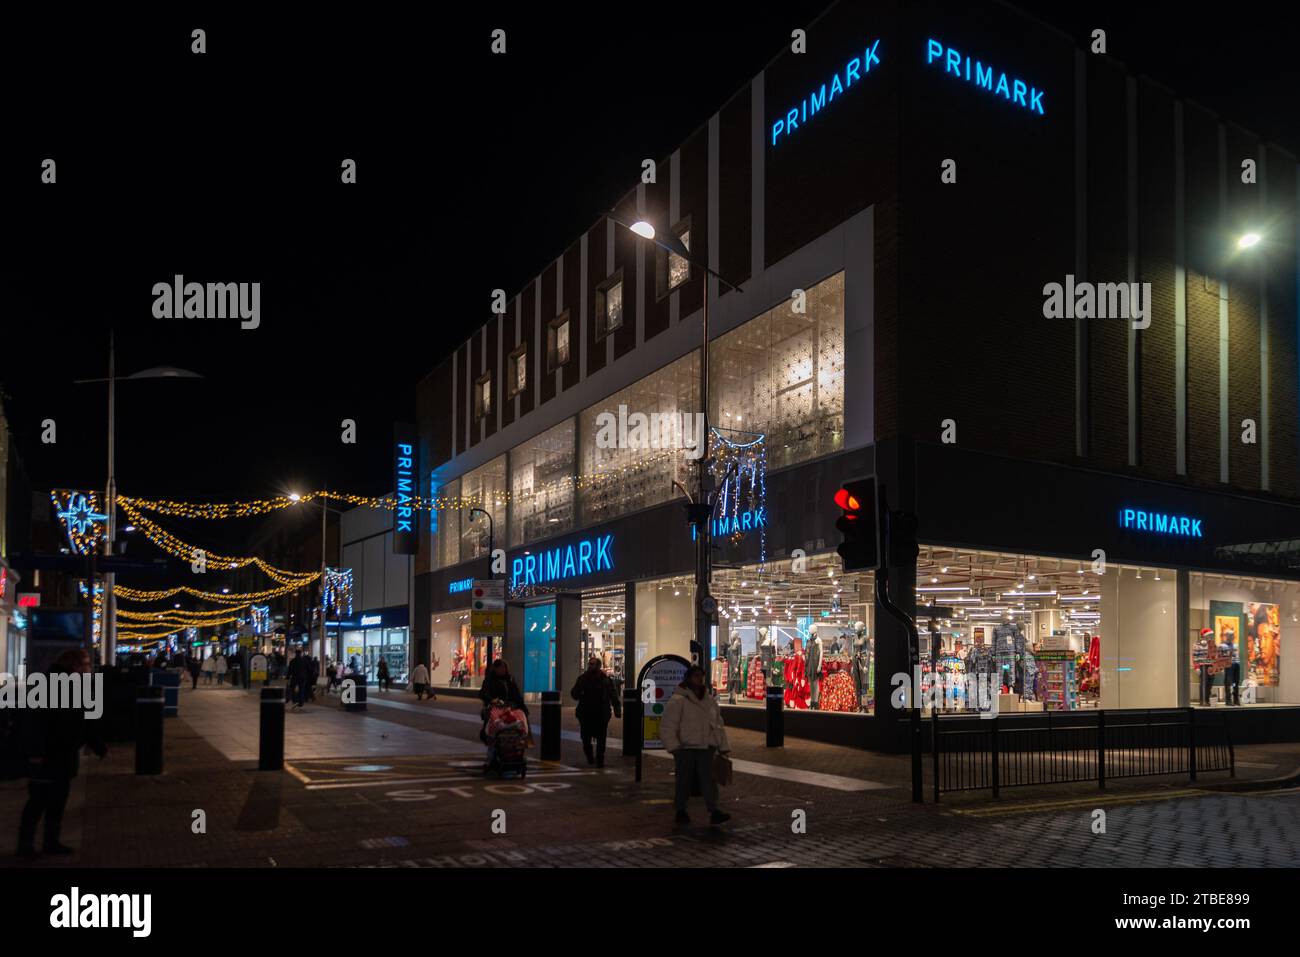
(222, 667)
(209, 665)
(691, 722)
(420, 676)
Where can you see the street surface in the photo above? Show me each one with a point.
(400, 786)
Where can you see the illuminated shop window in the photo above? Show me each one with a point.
(541, 485)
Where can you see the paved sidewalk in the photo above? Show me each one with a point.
(401, 785)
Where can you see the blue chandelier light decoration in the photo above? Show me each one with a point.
(338, 592)
(82, 519)
(739, 468)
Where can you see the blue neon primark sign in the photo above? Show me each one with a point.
(1160, 523)
(586, 557)
(817, 100)
(1012, 89)
(737, 524)
(461, 584)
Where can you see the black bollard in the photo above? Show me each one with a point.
(551, 718)
(776, 717)
(149, 730)
(358, 694)
(633, 723)
(270, 736)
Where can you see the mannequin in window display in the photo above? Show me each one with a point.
(862, 664)
(813, 670)
(733, 668)
(767, 652)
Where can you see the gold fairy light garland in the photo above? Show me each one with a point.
(224, 510)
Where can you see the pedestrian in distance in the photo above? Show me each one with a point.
(209, 668)
(381, 676)
(53, 739)
(222, 667)
(194, 667)
(331, 676)
(314, 678)
(420, 682)
(693, 733)
(299, 675)
(597, 700)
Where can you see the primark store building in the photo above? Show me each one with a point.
(1049, 303)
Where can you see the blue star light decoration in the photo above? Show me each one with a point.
(81, 520)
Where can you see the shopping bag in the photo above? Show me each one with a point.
(722, 770)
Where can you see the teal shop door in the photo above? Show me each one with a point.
(539, 648)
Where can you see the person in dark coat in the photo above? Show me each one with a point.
(314, 678)
(195, 666)
(53, 739)
(597, 699)
(299, 677)
(381, 676)
(499, 686)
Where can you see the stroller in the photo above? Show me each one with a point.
(506, 735)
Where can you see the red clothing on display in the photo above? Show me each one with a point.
(757, 685)
(838, 692)
(797, 690)
(1094, 653)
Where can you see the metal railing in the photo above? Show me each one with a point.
(1073, 747)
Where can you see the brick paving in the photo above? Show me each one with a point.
(350, 800)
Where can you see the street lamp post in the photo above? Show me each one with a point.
(490, 574)
(109, 625)
(699, 510)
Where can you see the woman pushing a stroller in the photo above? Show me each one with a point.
(504, 709)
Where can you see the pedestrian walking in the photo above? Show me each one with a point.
(500, 686)
(222, 667)
(53, 739)
(194, 668)
(381, 676)
(693, 733)
(331, 676)
(299, 674)
(420, 682)
(597, 700)
(209, 669)
(314, 678)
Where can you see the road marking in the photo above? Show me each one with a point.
(834, 782)
(1255, 764)
(1090, 802)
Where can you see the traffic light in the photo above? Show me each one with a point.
(860, 544)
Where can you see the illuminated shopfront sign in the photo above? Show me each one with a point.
(405, 539)
(963, 67)
(461, 584)
(1160, 523)
(370, 620)
(822, 98)
(586, 557)
(737, 524)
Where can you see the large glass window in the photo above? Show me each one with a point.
(782, 374)
(484, 488)
(1244, 636)
(809, 630)
(541, 485)
(444, 524)
(1046, 634)
(623, 470)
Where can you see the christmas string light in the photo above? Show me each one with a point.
(137, 594)
(173, 546)
(225, 510)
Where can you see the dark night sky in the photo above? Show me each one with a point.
(225, 168)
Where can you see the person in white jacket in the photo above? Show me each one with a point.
(222, 667)
(420, 683)
(692, 732)
(209, 668)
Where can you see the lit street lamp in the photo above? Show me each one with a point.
(109, 636)
(699, 509)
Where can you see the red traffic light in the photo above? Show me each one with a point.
(847, 501)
